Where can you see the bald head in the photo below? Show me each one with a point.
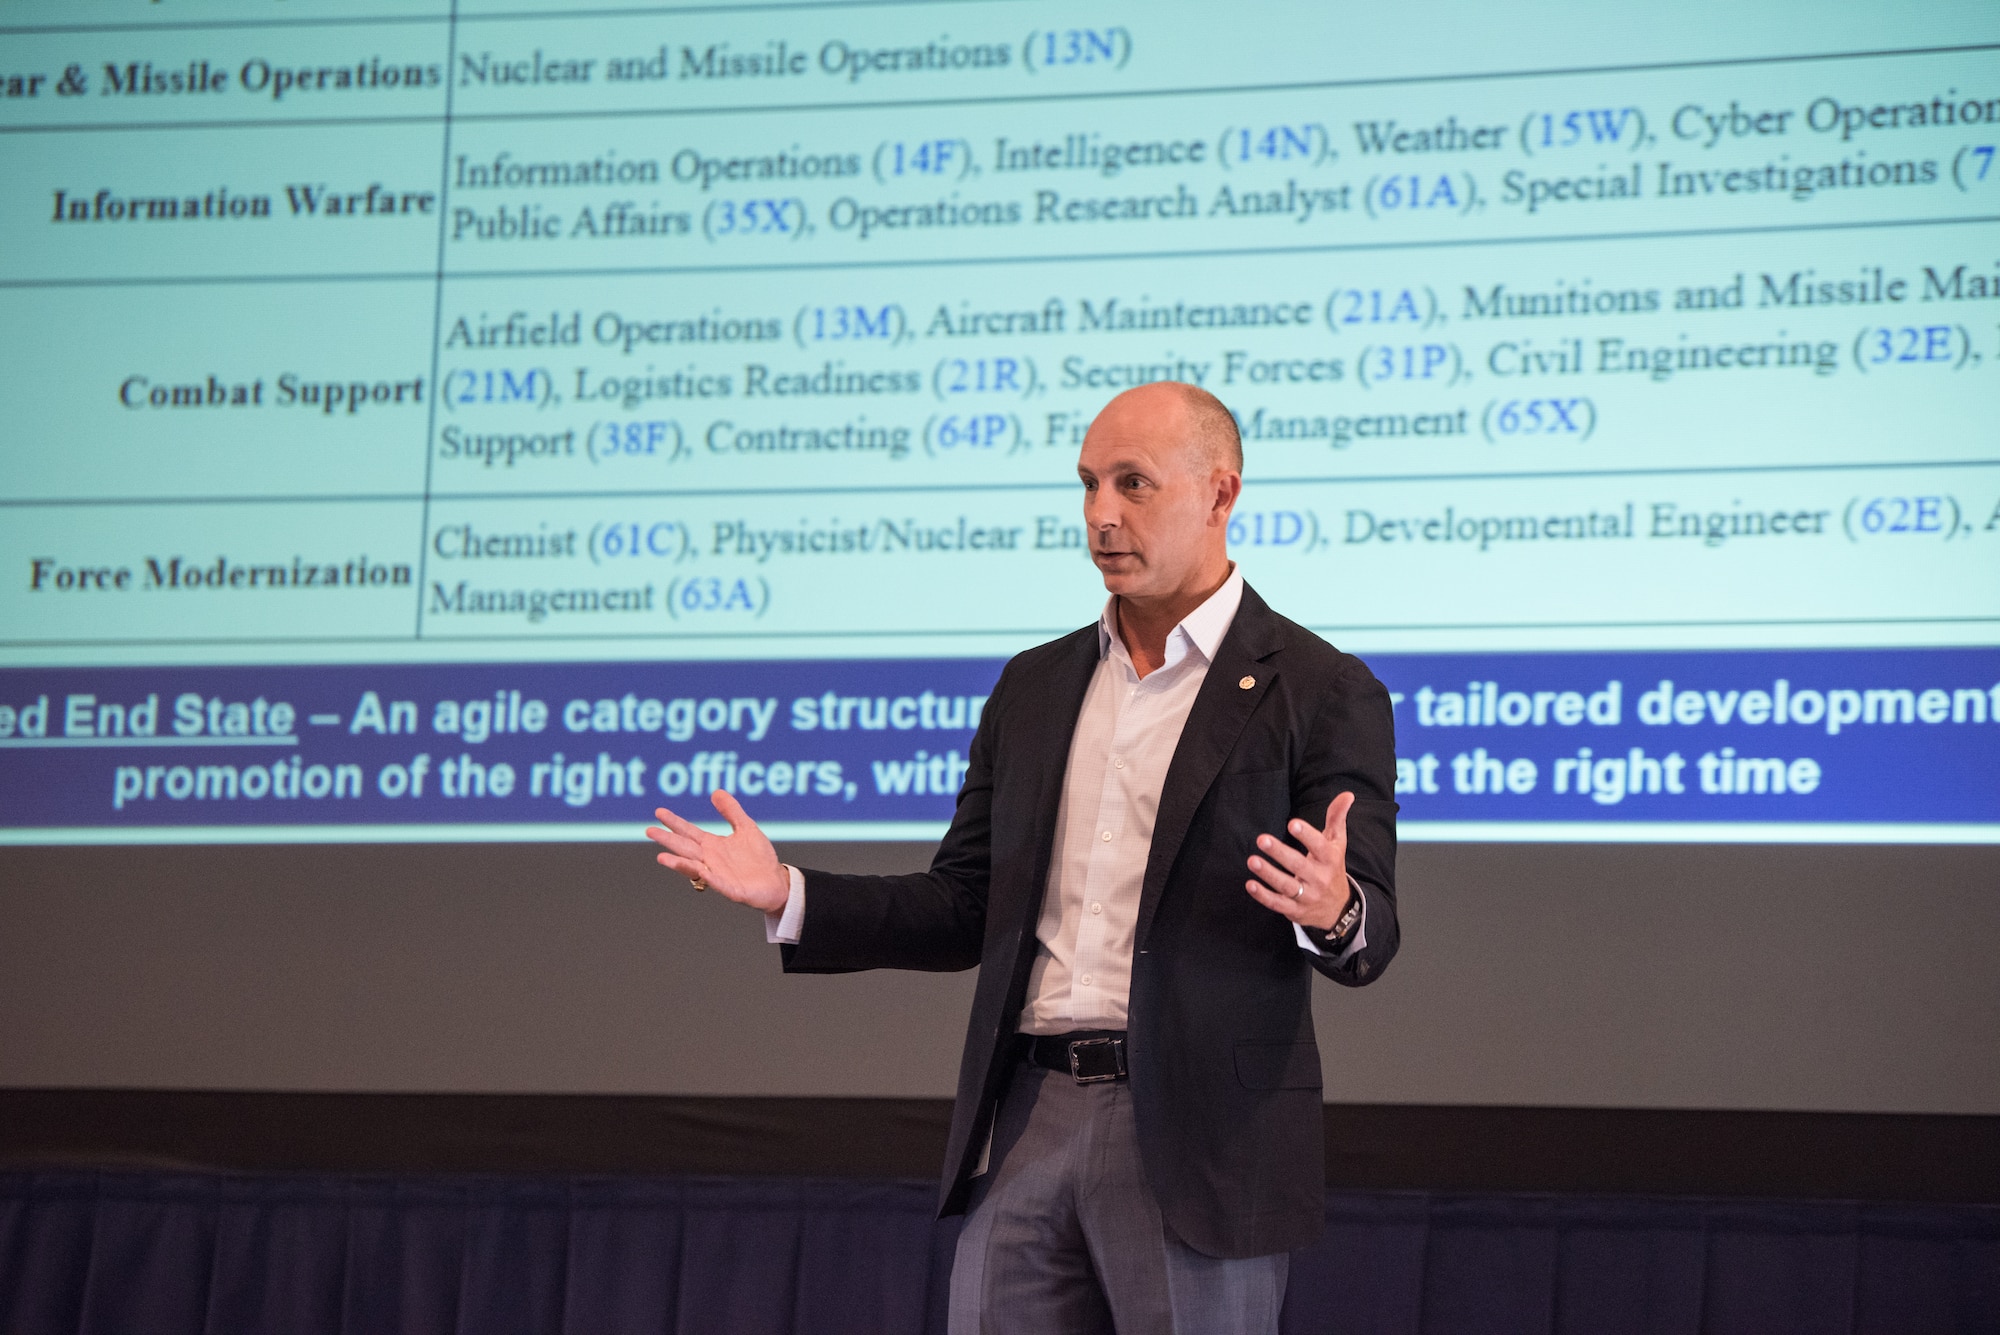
(1184, 414)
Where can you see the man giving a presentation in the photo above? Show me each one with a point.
(1137, 1139)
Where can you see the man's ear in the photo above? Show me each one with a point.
(1228, 486)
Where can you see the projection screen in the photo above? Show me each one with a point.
(486, 422)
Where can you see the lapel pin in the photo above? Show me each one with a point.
(1247, 683)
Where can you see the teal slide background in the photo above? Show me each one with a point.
(483, 334)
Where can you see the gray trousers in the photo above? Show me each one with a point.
(1063, 1235)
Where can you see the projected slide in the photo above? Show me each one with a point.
(430, 421)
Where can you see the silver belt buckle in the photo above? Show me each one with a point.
(1076, 1065)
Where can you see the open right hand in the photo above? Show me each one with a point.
(740, 865)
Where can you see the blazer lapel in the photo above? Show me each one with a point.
(1221, 710)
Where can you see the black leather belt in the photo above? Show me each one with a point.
(1087, 1057)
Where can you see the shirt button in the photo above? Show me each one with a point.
(1119, 763)
(1107, 836)
(1085, 980)
(1097, 908)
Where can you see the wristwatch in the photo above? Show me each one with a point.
(1343, 927)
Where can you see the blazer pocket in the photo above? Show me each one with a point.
(1278, 1065)
(1262, 773)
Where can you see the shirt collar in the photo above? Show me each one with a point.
(1201, 629)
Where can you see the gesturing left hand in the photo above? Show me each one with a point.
(1311, 887)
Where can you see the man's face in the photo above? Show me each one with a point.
(1152, 499)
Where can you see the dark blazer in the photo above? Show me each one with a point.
(1224, 1069)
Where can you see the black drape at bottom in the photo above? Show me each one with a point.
(119, 1253)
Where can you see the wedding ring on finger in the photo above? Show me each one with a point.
(1299, 893)
(697, 882)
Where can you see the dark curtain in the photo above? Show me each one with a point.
(117, 1253)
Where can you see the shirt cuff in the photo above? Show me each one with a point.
(782, 928)
(1360, 928)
